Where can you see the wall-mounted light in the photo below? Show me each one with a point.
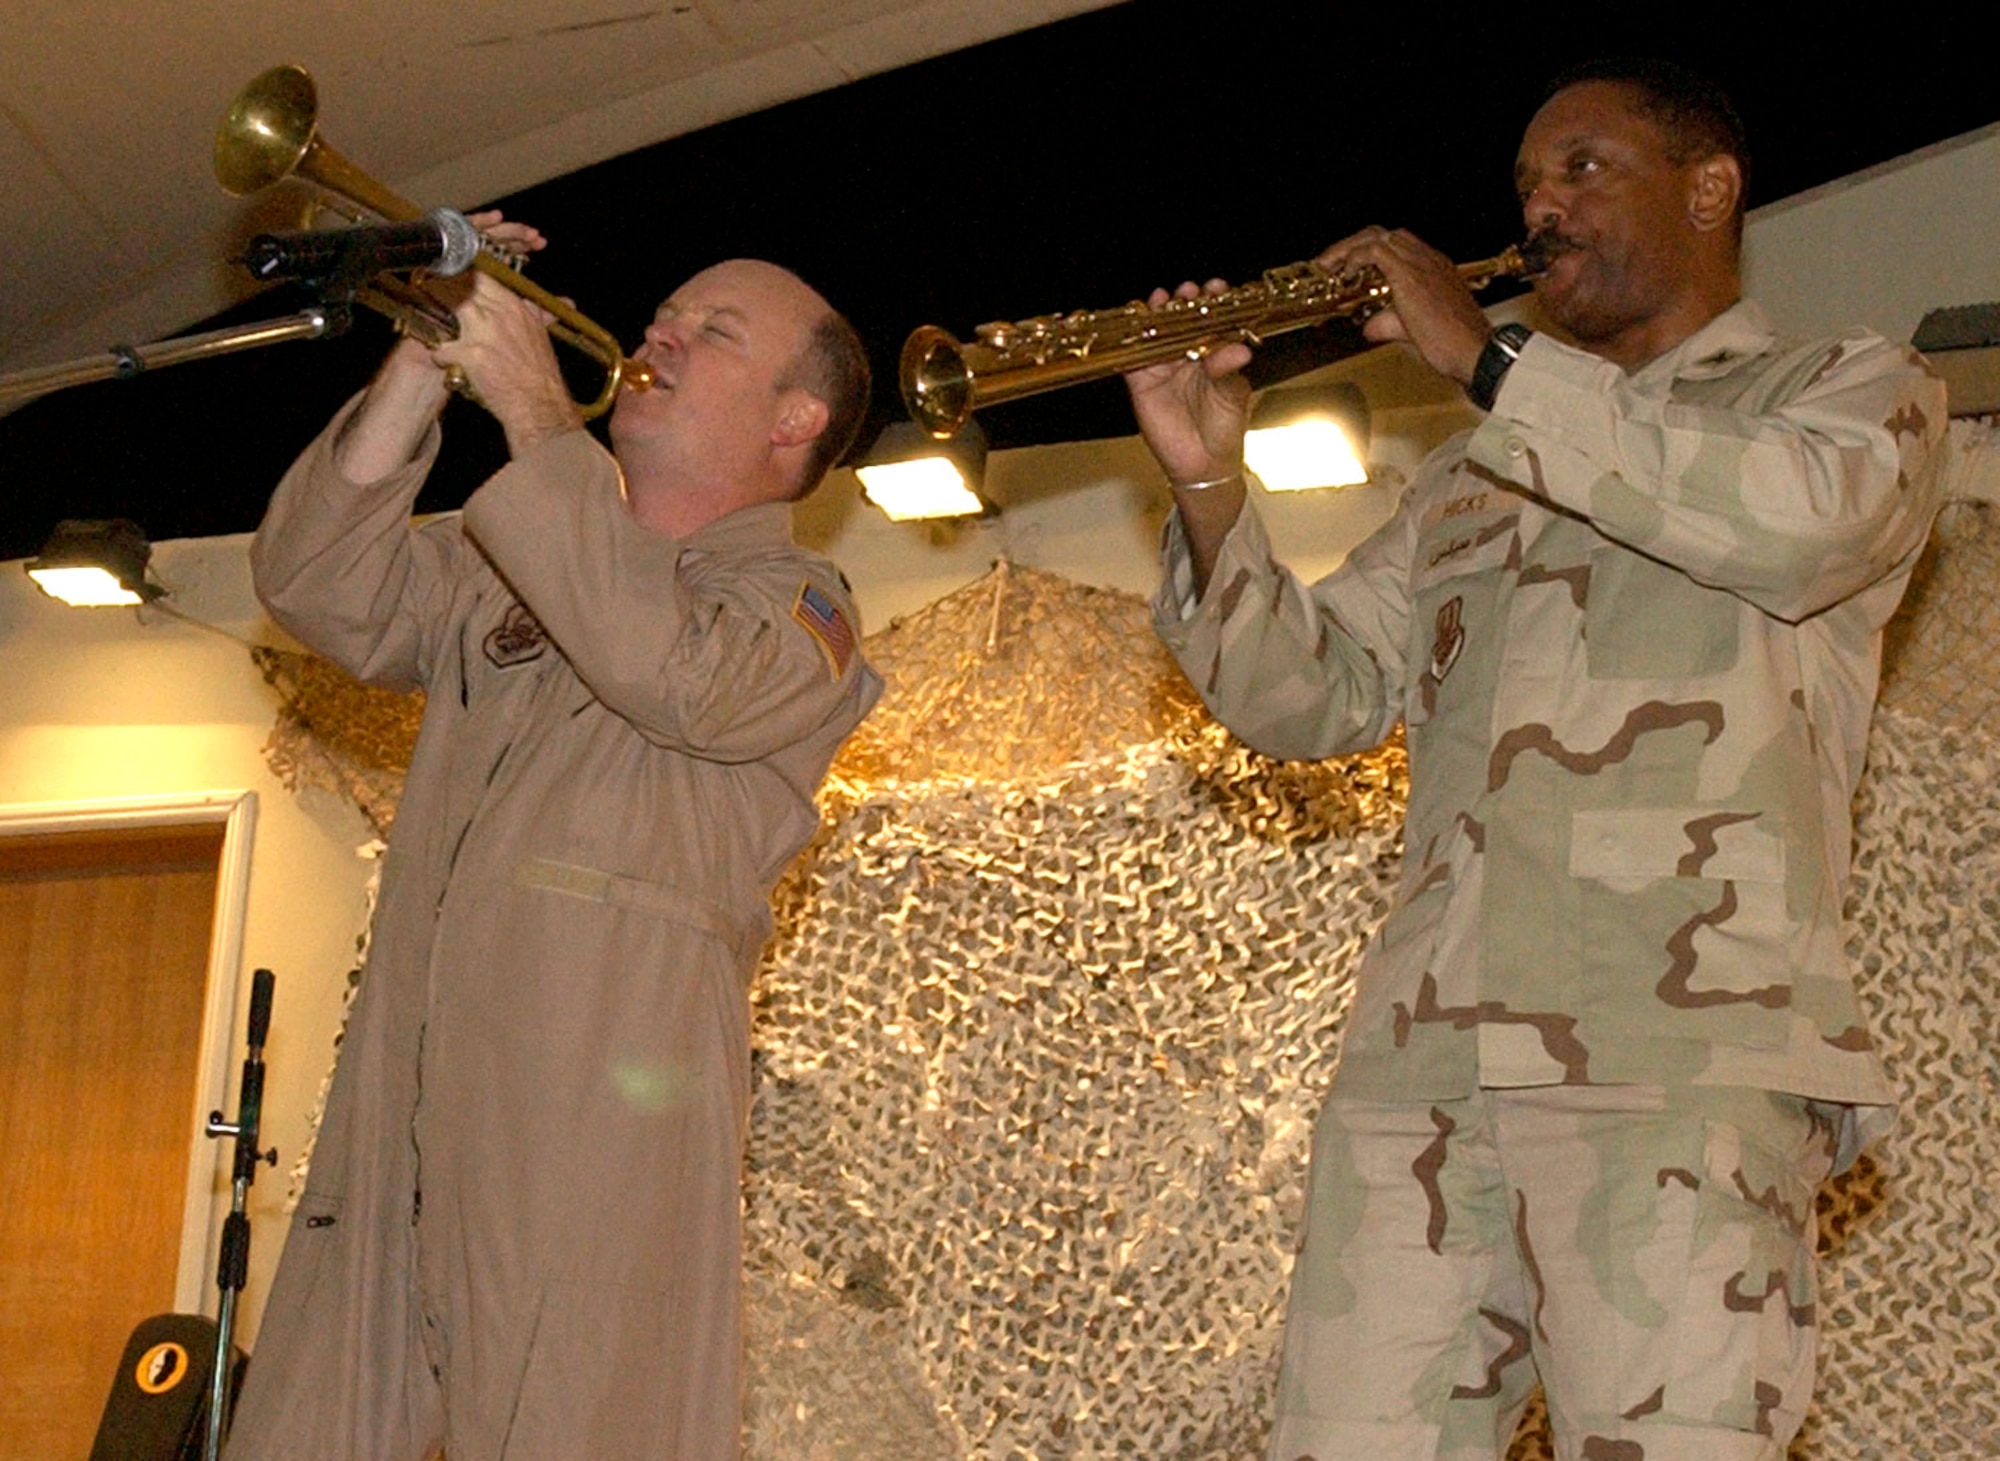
(1308, 436)
(911, 476)
(93, 563)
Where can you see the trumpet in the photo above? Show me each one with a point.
(270, 133)
(945, 380)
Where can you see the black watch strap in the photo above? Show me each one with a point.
(1503, 348)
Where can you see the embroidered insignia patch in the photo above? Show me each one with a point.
(1450, 638)
(825, 622)
(518, 639)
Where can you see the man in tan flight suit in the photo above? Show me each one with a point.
(520, 1234)
(1606, 1045)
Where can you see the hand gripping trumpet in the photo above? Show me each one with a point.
(945, 380)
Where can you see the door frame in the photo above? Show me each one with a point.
(206, 1199)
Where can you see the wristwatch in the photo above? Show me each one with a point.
(1503, 348)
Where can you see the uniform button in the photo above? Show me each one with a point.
(1516, 447)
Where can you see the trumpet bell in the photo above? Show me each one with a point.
(267, 131)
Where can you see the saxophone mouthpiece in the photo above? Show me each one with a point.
(1538, 252)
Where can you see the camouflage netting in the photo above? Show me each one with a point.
(1039, 1048)
(1059, 987)
(335, 734)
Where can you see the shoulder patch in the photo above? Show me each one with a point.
(824, 620)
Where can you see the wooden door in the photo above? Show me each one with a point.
(104, 940)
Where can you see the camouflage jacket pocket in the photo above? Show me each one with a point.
(1641, 843)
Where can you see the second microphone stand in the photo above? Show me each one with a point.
(234, 1265)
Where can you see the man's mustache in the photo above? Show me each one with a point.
(1544, 247)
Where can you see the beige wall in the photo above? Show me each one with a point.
(105, 703)
(1886, 246)
(101, 705)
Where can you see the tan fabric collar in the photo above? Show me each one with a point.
(1718, 347)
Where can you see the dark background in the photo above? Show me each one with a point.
(1074, 166)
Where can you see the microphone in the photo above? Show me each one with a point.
(443, 241)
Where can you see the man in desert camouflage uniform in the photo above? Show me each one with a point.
(1607, 1044)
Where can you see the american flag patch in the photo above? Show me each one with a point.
(825, 622)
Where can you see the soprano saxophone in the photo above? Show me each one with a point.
(945, 380)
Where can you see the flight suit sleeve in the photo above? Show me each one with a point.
(1793, 507)
(340, 566)
(726, 656)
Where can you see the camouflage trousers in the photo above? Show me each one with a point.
(1646, 1256)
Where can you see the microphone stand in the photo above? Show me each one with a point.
(122, 362)
(235, 1261)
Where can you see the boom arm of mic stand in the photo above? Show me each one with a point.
(122, 362)
(234, 1265)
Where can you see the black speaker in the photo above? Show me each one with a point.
(158, 1407)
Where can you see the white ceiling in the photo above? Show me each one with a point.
(115, 230)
